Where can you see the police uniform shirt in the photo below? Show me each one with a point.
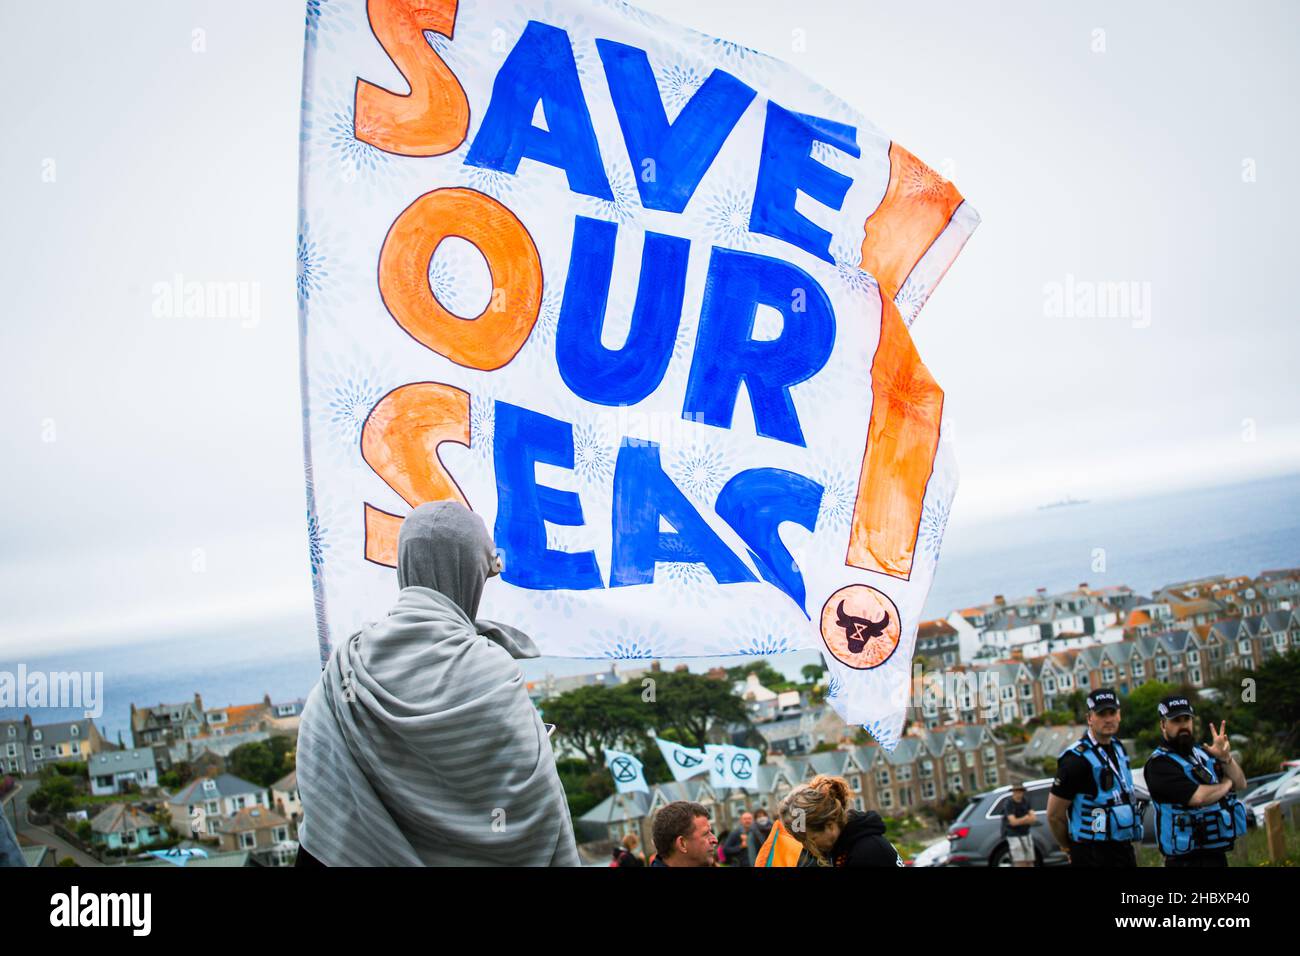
(1074, 774)
(1168, 783)
(1074, 777)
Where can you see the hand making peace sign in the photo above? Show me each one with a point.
(1220, 748)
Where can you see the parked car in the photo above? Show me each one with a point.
(1285, 790)
(975, 837)
(1259, 790)
(936, 854)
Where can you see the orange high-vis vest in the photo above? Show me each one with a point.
(779, 849)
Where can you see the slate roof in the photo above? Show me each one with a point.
(121, 761)
(121, 818)
(228, 785)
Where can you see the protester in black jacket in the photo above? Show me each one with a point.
(862, 842)
(817, 814)
(625, 854)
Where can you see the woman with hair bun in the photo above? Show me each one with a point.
(818, 815)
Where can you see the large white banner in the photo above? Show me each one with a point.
(640, 297)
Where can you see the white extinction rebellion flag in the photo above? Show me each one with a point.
(640, 297)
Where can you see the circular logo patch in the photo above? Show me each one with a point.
(860, 626)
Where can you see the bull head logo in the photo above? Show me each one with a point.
(859, 630)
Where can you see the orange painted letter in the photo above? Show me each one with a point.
(902, 440)
(907, 403)
(491, 339)
(917, 205)
(433, 118)
(400, 442)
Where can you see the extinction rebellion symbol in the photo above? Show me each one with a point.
(683, 759)
(860, 626)
(741, 767)
(623, 770)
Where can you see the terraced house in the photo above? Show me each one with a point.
(26, 747)
(1027, 688)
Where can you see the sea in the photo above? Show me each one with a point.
(1142, 541)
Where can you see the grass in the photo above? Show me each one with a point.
(1252, 851)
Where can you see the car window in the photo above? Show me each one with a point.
(1038, 798)
(970, 808)
(999, 807)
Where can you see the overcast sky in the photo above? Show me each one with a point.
(153, 470)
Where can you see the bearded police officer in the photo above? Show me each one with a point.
(1091, 808)
(1198, 815)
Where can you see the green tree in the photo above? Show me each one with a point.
(1013, 731)
(285, 750)
(56, 795)
(262, 761)
(1277, 693)
(812, 673)
(253, 761)
(184, 771)
(1263, 703)
(1077, 704)
(1259, 758)
(768, 676)
(595, 718)
(689, 703)
(1139, 719)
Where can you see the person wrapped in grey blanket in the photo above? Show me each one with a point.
(420, 746)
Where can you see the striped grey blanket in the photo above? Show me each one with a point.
(420, 746)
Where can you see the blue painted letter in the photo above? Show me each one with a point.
(643, 494)
(522, 439)
(669, 159)
(541, 68)
(727, 354)
(754, 503)
(786, 166)
(625, 375)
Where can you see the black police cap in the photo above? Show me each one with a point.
(1103, 698)
(1175, 705)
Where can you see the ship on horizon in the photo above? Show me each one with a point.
(1063, 503)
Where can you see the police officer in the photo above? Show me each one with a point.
(1091, 808)
(1198, 816)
